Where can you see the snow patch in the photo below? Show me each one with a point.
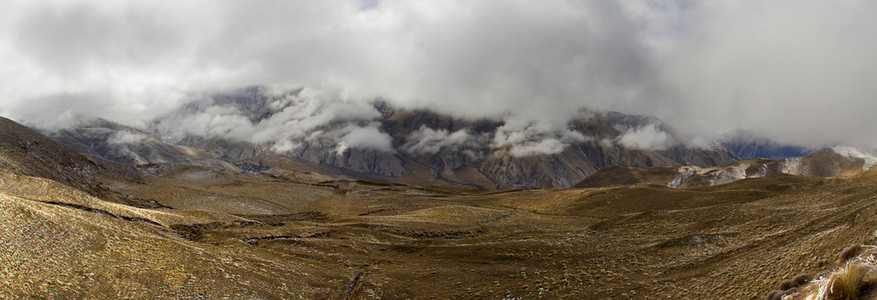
(729, 174)
(868, 156)
(792, 166)
(685, 174)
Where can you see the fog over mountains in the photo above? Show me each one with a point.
(310, 129)
(704, 68)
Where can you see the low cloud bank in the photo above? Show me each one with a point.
(523, 137)
(286, 121)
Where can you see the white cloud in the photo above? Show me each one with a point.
(429, 141)
(523, 137)
(365, 138)
(311, 117)
(646, 137)
(545, 146)
(127, 137)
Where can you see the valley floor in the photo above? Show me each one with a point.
(286, 235)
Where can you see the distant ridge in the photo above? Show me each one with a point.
(423, 146)
(828, 162)
(748, 145)
(24, 151)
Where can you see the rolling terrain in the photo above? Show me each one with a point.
(81, 227)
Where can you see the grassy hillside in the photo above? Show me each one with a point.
(211, 233)
(275, 236)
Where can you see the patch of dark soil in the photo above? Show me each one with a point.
(127, 199)
(102, 212)
(373, 212)
(352, 285)
(255, 240)
(605, 224)
(193, 231)
(276, 220)
(426, 234)
(695, 239)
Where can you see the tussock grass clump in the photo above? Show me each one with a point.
(853, 281)
(821, 274)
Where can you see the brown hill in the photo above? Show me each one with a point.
(25, 151)
(612, 176)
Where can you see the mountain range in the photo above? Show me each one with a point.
(419, 147)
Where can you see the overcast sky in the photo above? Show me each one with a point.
(798, 71)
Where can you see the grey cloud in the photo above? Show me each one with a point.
(69, 37)
(464, 58)
(797, 71)
(42, 110)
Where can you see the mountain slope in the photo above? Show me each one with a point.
(264, 129)
(61, 243)
(828, 162)
(25, 151)
(748, 145)
(120, 143)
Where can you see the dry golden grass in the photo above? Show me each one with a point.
(854, 280)
(287, 236)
